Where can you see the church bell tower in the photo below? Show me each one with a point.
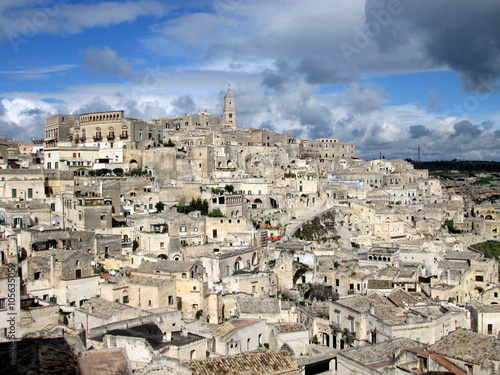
(229, 111)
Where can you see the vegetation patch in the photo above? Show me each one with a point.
(194, 205)
(490, 249)
(321, 228)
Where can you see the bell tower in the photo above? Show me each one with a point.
(229, 111)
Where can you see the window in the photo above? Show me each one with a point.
(337, 317)
(253, 289)
(78, 273)
(490, 329)
(170, 300)
(184, 275)
(351, 324)
(183, 228)
(162, 244)
(3, 305)
(14, 193)
(30, 193)
(125, 299)
(195, 229)
(37, 275)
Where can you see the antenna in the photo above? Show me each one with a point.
(418, 154)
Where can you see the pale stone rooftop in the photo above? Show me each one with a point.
(289, 327)
(226, 329)
(375, 354)
(250, 363)
(102, 308)
(258, 305)
(468, 346)
(169, 266)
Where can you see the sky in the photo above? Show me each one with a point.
(392, 76)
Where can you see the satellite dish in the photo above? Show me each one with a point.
(41, 229)
(113, 272)
(92, 263)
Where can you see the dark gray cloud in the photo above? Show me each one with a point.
(184, 104)
(463, 35)
(35, 129)
(106, 61)
(32, 112)
(279, 77)
(322, 69)
(417, 131)
(97, 104)
(466, 129)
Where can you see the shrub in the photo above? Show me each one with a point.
(216, 213)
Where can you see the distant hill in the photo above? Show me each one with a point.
(458, 165)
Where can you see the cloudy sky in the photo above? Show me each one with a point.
(389, 75)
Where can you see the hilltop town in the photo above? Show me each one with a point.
(189, 245)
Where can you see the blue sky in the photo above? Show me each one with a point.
(388, 75)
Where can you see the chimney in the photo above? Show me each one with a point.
(184, 332)
(52, 270)
(167, 336)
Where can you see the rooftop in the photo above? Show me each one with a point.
(258, 305)
(168, 266)
(104, 362)
(250, 363)
(289, 327)
(102, 308)
(468, 346)
(383, 352)
(226, 329)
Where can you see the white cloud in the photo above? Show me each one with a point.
(23, 21)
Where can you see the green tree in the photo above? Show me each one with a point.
(160, 206)
(229, 188)
(118, 171)
(216, 213)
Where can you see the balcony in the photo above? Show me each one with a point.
(123, 136)
(111, 137)
(97, 138)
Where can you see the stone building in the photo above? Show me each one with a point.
(65, 277)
